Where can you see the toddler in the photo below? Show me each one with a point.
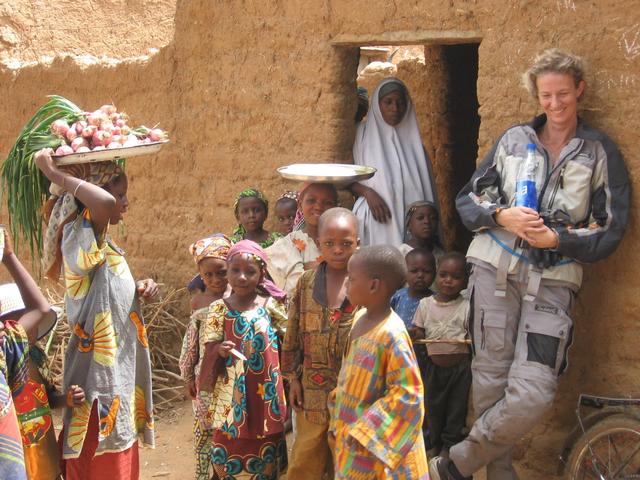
(285, 210)
(421, 229)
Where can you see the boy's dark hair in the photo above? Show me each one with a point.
(422, 252)
(385, 263)
(336, 213)
(456, 256)
(287, 200)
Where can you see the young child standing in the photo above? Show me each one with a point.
(242, 369)
(251, 209)
(210, 255)
(421, 229)
(447, 378)
(290, 256)
(378, 408)
(421, 271)
(320, 318)
(285, 210)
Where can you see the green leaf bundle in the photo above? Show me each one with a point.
(24, 185)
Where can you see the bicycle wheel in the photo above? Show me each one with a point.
(609, 450)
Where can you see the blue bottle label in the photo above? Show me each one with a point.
(526, 194)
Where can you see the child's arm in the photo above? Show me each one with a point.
(189, 356)
(391, 426)
(292, 350)
(37, 307)
(418, 331)
(73, 397)
(216, 348)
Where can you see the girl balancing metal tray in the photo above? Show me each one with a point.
(338, 173)
(109, 154)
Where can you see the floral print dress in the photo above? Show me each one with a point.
(108, 352)
(248, 441)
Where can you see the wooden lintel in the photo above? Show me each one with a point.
(408, 37)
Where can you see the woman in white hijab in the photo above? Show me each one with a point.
(390, 141)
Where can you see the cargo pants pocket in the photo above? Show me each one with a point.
(493, 329)
(547, 336)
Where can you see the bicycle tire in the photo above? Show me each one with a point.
(581, 461)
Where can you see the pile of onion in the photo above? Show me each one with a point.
(105, 128)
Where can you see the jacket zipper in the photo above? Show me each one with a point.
(561, 163)
(559, 184)
(482, 331)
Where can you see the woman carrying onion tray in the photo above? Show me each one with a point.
(108, 352)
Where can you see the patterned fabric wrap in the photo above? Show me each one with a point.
(108, 352)
(378, 412)
(250, 405)
(62, 208)
(202, 438)
(215, 246)
(266, 285)
(14, 351)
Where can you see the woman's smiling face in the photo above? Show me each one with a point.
(558, 96)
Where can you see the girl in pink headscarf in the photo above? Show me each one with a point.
(242, 369)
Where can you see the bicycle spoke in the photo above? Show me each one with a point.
(626, 462)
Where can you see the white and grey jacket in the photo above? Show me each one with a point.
(584, 197)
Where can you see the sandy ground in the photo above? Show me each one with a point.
(172, 459)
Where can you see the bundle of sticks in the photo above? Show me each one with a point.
(166, 323)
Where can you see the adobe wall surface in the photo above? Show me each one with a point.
(248, 86)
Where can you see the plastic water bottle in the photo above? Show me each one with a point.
(526, 194)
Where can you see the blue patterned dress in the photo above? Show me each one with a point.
(249, 411)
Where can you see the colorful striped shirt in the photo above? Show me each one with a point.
(377, 418)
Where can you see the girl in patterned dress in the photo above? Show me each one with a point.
(210, 255)
(242, 369)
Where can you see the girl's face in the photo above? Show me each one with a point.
(316, 200)
(251, 214)
(119, 192)
(423, 223)
(213, 272)
(285, 215)
(393, 107)
(244, 274)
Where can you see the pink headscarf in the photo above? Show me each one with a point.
(266, 284)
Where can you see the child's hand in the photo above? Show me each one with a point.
(75, 396)
(225, 348)
(416, 333)
(295, 395)
(147, 289)
(191, 389)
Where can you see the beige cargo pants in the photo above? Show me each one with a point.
(520, 348)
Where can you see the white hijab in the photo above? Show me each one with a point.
(404, 171)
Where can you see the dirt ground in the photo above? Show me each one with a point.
(172, 459)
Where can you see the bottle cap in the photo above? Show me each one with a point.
(531, 146)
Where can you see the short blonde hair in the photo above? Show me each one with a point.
(553, 60)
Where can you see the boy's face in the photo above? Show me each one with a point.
(285, 215)
(338, 240)
(424, 223)
(316, 200)
(213, 272)
(251, 214)
(451, 278)
(359, 284)
(421, 270)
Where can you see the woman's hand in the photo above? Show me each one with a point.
(545, 239)
(225, 348)
(44, 161)
(377, 205)
(75, 396)
(522, 221)
(147, 289)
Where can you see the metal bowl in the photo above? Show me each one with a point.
(336, 173)
(109, 154)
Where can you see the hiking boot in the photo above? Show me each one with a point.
(443, 469)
